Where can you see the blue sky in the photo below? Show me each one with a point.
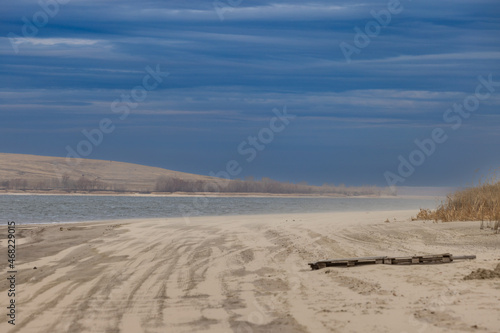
(229, 68)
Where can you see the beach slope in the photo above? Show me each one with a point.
(250, 274)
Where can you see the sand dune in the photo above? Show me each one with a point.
(250, 274)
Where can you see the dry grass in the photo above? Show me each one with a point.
(480, 203)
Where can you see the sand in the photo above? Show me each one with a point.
(250, 274)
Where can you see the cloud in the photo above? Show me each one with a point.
(56, 41)
(227, 76)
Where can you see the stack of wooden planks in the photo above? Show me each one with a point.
(411, 260)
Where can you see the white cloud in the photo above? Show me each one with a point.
(56, 41)
(442, 56)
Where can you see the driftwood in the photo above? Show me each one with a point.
(410, 260)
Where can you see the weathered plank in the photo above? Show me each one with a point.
(408, 260)
(424, 259)
(346, 262)
(465, 257)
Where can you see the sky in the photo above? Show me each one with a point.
(340, 92)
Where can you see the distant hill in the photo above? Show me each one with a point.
(31, 173)
(43, 172)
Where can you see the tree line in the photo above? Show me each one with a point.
(64, 183)
(265, 185)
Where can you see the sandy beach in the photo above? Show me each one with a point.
(250, 274)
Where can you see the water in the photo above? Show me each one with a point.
(54, 208)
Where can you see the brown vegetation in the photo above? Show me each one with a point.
(480, 203)
(266, 185)
(67, 184)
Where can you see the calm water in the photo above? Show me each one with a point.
(49, 208)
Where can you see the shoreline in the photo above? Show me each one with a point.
(184, 218)
(178, 194)
(233, 216)
(250, 273)
(216, 195)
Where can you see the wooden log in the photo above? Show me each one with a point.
(355, 258)
(464, 257)
(346, 261)
(410, 260)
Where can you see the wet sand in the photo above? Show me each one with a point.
(250, 274)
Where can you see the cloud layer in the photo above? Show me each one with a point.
(232, 62)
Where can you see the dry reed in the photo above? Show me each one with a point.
(480, 203)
